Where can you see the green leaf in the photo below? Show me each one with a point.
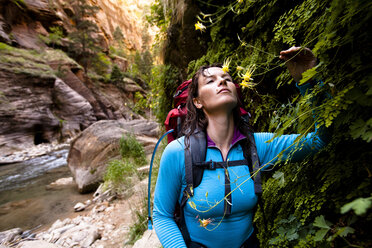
(292, 234)
(321, 222)
(278, 175)
(344, 231)
(319, 235)
(307, 75)
(362, 129)
(360, 206)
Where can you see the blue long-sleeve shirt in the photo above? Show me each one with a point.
(208, 200)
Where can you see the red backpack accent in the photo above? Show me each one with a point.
(177, 115)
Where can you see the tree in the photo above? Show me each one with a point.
(118, 35)
(83, 46)
(55, 36)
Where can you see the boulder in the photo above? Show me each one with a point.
(91, 151)
(38, 244)
(61, 182)
(10, 235)
(82, 235)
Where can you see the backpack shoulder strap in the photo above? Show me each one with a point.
(195, 150)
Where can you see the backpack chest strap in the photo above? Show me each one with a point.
(212, 165)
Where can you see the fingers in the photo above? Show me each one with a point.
(287, 54)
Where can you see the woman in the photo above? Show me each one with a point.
(213, 108)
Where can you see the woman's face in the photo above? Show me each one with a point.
(217, 92)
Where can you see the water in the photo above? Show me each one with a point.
(25, 201)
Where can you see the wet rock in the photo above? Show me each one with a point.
(10, 235)
(60, 183)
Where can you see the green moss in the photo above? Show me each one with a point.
(22, 65)
(5, 47)
(60, 56)
(25, 61)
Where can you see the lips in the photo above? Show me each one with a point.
(223, 90)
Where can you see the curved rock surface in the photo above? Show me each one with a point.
(91, 151)
(35, 105)
(38, 107)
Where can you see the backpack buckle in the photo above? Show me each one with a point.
(212, 165)
(177, 93)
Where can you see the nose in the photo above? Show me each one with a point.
(222, 82)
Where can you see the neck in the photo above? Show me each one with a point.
(221, 130)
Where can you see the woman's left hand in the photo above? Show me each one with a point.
(298, 60)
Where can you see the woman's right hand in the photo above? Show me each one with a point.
(298, 60)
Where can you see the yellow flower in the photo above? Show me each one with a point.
(199, 26)
(226, 64)
(240, 1)
(204, 222)
(248, 74)
(247, 78)
(239, 68)
(246, 84)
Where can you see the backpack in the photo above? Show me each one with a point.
(195, 163)
(177, 115)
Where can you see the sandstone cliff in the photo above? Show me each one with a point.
(21, 22)
(45, 96)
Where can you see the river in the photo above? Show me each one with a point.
(26, 202)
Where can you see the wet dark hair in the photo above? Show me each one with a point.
(196, 119)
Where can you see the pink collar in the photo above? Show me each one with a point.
(236, 137)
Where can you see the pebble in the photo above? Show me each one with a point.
(79, 207)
